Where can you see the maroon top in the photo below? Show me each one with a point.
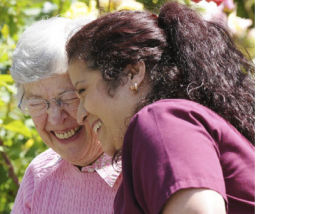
(176, 144)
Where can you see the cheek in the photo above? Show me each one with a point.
(39, 123)
(92, 103)
(89, 131)
(87, 104)
(73, 113)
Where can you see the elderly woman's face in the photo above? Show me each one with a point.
(107, 115)
(57, 125)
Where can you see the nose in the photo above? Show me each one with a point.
(81, 114)
(56, 115)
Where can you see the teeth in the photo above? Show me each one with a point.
(67, 134)
(97, 126)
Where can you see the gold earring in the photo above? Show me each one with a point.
(134, 87)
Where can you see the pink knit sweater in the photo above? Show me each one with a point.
(52, 185)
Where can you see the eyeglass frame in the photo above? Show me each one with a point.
(57, 100)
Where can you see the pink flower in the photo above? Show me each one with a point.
(218, 2)
(228, 5)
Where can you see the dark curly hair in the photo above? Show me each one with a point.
(185, 57)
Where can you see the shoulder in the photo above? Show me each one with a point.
(172, 122)
(40, 167)
(171, 118)
(43, 164)
(174, 105)
(169, 112)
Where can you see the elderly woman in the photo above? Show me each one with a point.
(174, 98)
(74, 175)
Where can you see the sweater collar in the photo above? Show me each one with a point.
(103, 166)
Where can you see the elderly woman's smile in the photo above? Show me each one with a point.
(67, 135)
(56, 121)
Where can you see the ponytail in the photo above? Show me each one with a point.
(209, 69)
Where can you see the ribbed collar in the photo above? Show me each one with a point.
(103, 166)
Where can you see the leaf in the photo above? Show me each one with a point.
(6, 78)
(17, 126)
(10, 88)
(5, 31)
(29, 143)
(3, 105)
(3, 174)
(7, 81)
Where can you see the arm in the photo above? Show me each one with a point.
(191, 201)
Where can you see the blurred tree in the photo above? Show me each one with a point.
(19, 140)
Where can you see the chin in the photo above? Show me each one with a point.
(76, 161)
(109, 151)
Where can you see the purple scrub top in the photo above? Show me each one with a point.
(175, 144)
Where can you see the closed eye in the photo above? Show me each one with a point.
(81, 90)
(70, 100)
(32, 105)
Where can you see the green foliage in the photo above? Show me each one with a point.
(246, 9)
(15, 15)
(19, 144)
(153, 5)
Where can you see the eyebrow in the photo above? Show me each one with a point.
(39, 96)
(28, 96)
(78, 82)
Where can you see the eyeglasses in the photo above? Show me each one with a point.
(67, 100)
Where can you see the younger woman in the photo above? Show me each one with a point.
(174, 98)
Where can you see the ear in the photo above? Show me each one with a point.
(136, 73)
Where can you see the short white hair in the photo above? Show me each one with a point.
(40, 52)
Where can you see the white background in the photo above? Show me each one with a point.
(287, 106)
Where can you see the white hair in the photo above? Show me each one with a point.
(40, 52)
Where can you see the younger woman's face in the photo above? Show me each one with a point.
(107, 115)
